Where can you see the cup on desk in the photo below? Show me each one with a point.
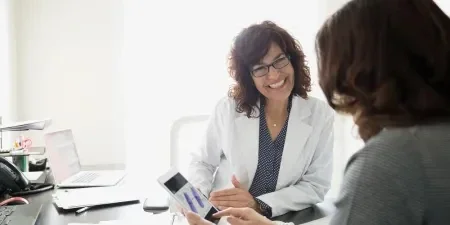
(21, 145)
(21, 161)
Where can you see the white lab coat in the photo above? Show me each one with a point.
(231, 146)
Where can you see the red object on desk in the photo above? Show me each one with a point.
(14, 201)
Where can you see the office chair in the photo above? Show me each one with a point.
(185, 137)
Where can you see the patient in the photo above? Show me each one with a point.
(387, 64)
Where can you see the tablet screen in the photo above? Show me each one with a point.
(189, 197)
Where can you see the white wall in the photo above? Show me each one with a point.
(69, 69)
(7, 78)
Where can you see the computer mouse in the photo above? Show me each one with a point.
(14, 201)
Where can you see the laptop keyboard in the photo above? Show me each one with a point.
(5, 213)
(86, 178)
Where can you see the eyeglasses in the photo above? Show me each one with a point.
(277, 64)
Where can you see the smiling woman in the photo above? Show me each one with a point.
(263, 139)
(175, 58)
(275, 54)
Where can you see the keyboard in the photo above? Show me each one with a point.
(19, 214)
(5, 212)
(86, 178)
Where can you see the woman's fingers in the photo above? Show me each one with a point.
(234, 204)
(195, 219)
(243, 216)
(225, 192)
(192, 217)
(236, 197)
(235, 221)
(242, 213)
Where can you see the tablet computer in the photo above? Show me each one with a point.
(187, 195)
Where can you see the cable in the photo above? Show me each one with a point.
(34, 189)
(13, 199)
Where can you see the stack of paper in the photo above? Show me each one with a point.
(27, 125)
(84, 197)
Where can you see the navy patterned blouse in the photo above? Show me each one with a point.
(269, 160)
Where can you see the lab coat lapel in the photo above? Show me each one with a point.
(246, 145)
(298, 132)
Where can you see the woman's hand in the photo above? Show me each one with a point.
(243, 216)
(195, 219)
(236, 197)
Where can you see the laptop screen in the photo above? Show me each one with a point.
(62, 155)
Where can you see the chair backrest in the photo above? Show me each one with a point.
(185, 137)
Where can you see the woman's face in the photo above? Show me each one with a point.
(274, 75)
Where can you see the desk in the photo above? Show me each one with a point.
(51, 215)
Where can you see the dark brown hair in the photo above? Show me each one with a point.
(249, 47)
(386, 62)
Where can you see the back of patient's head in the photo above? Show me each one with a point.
(387, 63)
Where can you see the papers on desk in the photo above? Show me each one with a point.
(165, 218)
(27, 125)
(84, 197)
(152, 219)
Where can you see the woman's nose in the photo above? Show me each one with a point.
(273, 73)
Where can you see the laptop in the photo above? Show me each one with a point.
(66, 168)
(20, 214)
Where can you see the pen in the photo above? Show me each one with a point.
(84, 209)
(191, 204)
(199, 200)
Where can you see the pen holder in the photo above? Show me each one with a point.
(21, 162)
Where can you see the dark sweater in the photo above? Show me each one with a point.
(401, 176)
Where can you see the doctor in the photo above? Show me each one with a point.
(268, 146)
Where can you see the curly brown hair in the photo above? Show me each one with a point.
(249, 47)
(387, 63)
